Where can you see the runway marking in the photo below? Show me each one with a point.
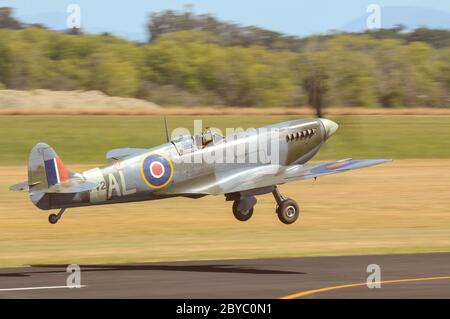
(315, 291)
(41, 288)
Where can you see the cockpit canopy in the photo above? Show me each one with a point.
(188, 143)
(209, 137)
(184, 144)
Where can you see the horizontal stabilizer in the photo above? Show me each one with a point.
(120, 153)
(20, 187)
(71, 186)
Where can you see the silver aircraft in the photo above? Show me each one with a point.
(240, 167)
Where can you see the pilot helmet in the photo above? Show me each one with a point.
(207, 135)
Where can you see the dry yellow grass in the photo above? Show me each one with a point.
(401, 207)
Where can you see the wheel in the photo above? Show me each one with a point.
(53, 218)
(241, 215)
(288, 211)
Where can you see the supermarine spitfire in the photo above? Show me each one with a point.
(249, 164)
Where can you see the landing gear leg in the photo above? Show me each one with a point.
(287, 209)
(278, 197)
(53, 218)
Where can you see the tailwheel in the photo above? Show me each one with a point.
(288, 211)
(53, 218)
(242, 214)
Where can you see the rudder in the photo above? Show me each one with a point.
(45, 168)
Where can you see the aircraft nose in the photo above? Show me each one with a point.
(330, 127)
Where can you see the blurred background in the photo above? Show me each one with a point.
(349, 54)
(381, 70)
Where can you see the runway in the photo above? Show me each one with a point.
(402, 276)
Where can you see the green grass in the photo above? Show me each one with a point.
(86, 139)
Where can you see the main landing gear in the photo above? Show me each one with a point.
(243, 208)
(53, 218)
(287, 209)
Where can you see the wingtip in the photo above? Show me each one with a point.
(382, 161)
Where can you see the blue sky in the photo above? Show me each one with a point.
(128, 18)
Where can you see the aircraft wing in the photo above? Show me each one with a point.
(268, 175)
(326, 168)
(119, 153)
(300, 172)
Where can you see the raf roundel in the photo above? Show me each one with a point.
(157, 170)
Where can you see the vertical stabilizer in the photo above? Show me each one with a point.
(45, 168)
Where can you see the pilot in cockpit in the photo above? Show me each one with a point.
(207, 137)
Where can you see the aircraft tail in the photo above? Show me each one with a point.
(45, 169)
(47, 175)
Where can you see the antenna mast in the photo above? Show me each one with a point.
(167, 129)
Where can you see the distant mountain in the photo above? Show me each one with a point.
(410, 17)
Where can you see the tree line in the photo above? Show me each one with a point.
(232, 34)
(202, 61)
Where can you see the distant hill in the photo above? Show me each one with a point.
(69, 102)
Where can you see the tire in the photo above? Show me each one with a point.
(289, 211)
(53, 219)
(241, 215)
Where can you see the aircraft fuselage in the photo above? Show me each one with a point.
(169, 169)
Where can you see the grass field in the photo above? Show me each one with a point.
(398, 207)
(86, 139)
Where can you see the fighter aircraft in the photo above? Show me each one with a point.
(179, 168)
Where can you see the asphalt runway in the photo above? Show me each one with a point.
(402, 276)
